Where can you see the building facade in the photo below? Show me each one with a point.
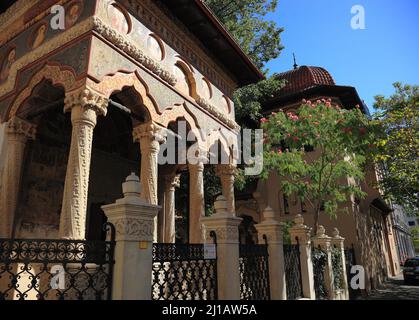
(84, 104)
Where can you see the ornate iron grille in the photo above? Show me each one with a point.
(254, 272)
(38, 269)
(337, 268)
(180, 272)
(293, 271)
(319, 259)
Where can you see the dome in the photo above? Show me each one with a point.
(303, 78)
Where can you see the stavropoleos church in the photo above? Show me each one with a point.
(91, 92)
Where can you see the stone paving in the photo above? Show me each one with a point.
(395, 289)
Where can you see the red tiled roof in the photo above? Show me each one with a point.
(303, 78)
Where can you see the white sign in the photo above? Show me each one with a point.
(210, 251)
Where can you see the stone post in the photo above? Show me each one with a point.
(133, 219)
(322, 241)
(301, 234)
(226, 173)
(149, 135)
(273, 231)
(196, 201)
(338, 242)
(171, 183)
(85, 105)
(226, 229)
(18, 132)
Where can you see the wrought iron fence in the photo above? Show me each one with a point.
(337, 268)
(293, 271)
(39, 269)
(181, 272)
(319, 259)
(254, 271)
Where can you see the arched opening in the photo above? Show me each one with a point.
(44, 167)
(114, 156)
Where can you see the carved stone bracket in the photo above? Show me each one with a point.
(21, 127)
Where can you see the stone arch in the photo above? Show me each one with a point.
(181, 111)
(117, 82)
(57, 74)
(219, 141)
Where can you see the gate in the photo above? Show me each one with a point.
(254, 271)
(319, 259)
(183, 272)
(293, 271)
(39, 269)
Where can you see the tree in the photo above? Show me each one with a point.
(260, 40)
(245, 20)
(399, 116)
(341, 140)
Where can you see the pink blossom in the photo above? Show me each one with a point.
(263, 120)
(279, 151)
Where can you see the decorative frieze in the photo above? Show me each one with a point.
(133, 50)
(133, 229)
(216, 112)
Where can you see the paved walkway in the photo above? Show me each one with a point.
(395, 289)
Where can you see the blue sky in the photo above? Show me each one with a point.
(320, 34)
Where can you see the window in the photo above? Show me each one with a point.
(411, 223)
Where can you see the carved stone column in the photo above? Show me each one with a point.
(226, 173)
(149, 135)
(18, 132)
(171, 183)
(85, 105)
(196, 201)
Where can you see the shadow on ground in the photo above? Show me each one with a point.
(395, 289)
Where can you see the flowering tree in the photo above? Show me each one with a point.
(316, 150)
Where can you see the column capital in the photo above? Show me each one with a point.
(226, 170)
(22, 127)
(149, 135)
(198, 167)
(86, 98)
(172, 181)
